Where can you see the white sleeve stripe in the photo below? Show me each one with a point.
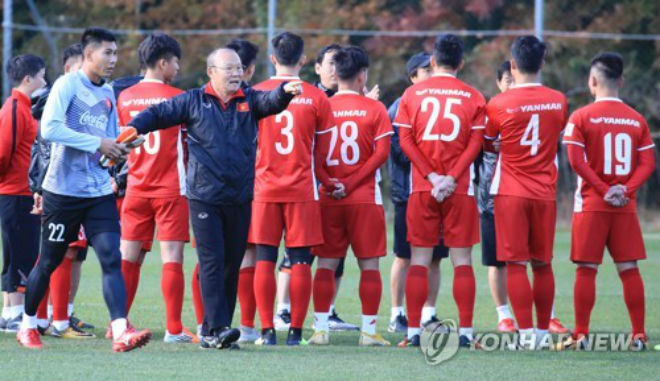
(402, 125)
(384, 135)
(645, 148)
(478, 127)
(571, 142)
(490, 137)
(325, 131)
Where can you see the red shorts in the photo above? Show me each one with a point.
(524, 228)
(300, 220)
(591, 232)
(140, 216)
(360, 225)
(81, 243)
(455, 220)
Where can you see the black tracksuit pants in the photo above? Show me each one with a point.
(221, 233)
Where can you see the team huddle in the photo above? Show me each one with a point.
(247, 166)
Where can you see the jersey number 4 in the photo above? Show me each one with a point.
(531, 135)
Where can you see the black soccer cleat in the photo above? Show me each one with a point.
(399, 324)
(268, 337)
(295, 337)
(226, 337)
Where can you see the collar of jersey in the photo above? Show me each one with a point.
(531, 84)
(152, 80)
(289, 77)
(603, 99)
(88, 82)
(443, 75)
(351, 92)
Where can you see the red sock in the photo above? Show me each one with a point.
(264, 292)
(301, 291)
(246, 296)
(464, 290)
(197, 296)
(371, 290)
(42, 310)
(584, 298)
(324, 289)
(633, 294)
(60, 285)
(520, 294)
(172, 284)
(417, 289)
(131, 272)
(544, 294)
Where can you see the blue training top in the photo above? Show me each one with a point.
(77, 115)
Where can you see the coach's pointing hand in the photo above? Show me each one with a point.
(293, 87)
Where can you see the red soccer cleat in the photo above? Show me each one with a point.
(557, 327)
(108, 331)
(131, 339)
(29, 338)
(506, 325)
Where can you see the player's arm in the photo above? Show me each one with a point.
(378, 158)
(320, 155)
(10, 129)
(273, 102)
(492, 130)
(53, 120)
(169, 113)
(645, 164)
(578, 161)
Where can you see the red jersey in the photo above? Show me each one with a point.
(156, 169)
(611, 133)
(361, 121)
(18, 131)
(442, 112)
(528, 119)
(284, 170)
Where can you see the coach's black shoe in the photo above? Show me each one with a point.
(226, 336)
(399, 324)
(208, 342)
(3, 324)
(295, 337)
(268, 337)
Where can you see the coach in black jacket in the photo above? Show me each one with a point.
(221, 118)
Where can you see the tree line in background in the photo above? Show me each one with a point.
(566, 65)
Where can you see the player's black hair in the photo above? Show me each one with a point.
(610, 64)
(96, 35)
(288, 48)
(21, 66)
(156, 47)
(246, 50)
(448, 50)
(350, 61)
(328, 48)
(71, 51)
(505, 67)
(528, 52)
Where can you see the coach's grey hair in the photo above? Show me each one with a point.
(214, 55)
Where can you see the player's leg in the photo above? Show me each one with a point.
(173, 232)
(398, 320)
(246, 297)
(496, 273)
(282, 318)
(61, 221)
(303, 230)
(429, 310)
(424, 222)
(76, 272)
(626, 246)
(267, 225)
(542, 237)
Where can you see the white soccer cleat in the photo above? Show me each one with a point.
(319, 338)
(375, 340)
(184, 337)
(248, 335)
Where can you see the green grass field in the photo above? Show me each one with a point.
(93, 360)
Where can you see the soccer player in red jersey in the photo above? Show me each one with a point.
(349, 155)
(441, 122)
(610, 149)
(528, 119)
(156, 187)
(285, 192)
